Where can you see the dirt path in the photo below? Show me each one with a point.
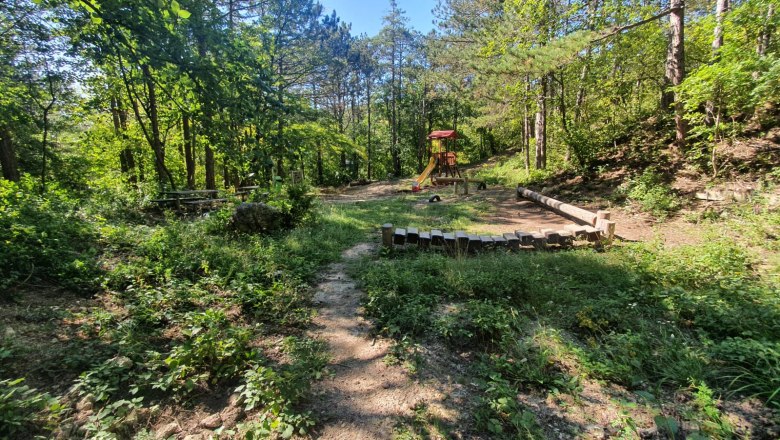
(365, 398)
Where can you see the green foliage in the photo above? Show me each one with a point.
(24, 409)
(278, 392)
(636, 315)
(44, 237)
(651, 193)
(214, 350)
(296, 202)
(501, 415)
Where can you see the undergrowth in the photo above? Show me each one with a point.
(638, 315)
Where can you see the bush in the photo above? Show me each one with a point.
(44, 237)
(296, 202)
(652, 194)
(22, 408)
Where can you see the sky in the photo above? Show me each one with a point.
(366, 15)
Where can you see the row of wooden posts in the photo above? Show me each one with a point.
(462, 242)
(598, 228)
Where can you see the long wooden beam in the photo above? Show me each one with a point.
(558, 206)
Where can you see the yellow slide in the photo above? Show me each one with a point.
(421, 178)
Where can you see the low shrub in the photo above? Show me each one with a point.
(44, 237)
(651, 193)
(23, 410)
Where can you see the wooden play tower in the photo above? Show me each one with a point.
(443, 161)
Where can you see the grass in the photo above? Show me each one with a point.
(639, 315)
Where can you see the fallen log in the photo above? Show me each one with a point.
(558, 206)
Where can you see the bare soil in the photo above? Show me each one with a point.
(367, 396)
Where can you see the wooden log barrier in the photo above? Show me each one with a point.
(592, 234)
(540, 241)
(553, 237)
(475, 244)
(566, 238)
(577, 230)
(558, 206)
(449, 242)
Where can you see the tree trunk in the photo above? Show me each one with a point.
(675, 66)
(44, 147)
(368, 108)
(766, 33)
(157, 145)
(8, 155)
(394, 113)
(720, 10)
(127, 154)
(541, 125)
(527, 126)
(210, 166)
(320, 176)
(189, 151)
(564, 120)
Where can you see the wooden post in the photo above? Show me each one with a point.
(412, 235)
(399, 237)
(425, 240)
(609, 230)
(466, 185)
(512, 241)
(601, 216)
(387, 235)
(463, 241)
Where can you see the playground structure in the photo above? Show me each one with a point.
(442, 160)
(593, 228)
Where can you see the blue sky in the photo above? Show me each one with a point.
(366, 15)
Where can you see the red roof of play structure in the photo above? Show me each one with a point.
(443, 134)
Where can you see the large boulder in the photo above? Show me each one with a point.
(256, 217)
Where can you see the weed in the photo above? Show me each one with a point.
(24, 409)
(652, 194)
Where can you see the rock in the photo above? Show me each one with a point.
(230, 416)
(773, 135)
(594, 432)
(9, 332)
(122, 362)
(167, 431)
(235, 399)
(256, 217)
(81, 418)
(211, 422)
(86, 403)
(193, 437)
